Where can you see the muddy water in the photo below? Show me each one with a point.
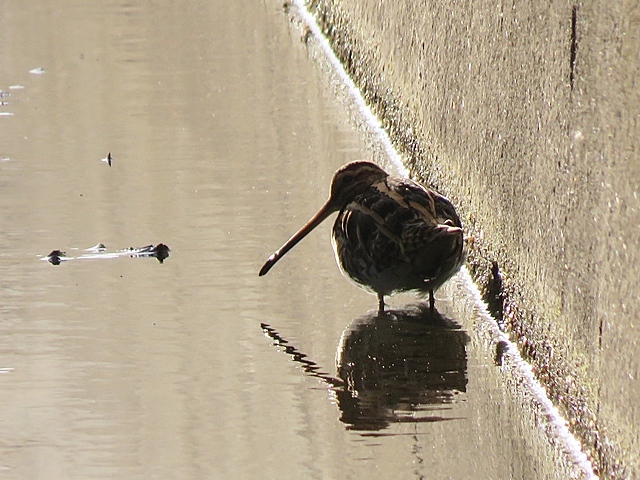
(224, 129)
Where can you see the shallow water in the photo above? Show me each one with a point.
(225, 127)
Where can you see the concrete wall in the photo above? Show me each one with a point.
(527, 115)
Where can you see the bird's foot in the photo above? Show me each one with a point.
(381, 304)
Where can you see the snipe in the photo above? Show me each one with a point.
(392, 235)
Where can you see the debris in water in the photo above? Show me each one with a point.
(107, 159)
(160, 251)
(100, 247)
(56, 256)
(99, 251)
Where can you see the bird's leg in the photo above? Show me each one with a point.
(432, 301)
(380, 303)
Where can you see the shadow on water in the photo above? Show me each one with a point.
(401, 366)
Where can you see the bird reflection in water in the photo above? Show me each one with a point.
(401, 366)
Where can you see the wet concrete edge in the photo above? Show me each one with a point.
(496, 272)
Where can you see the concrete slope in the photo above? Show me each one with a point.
(527, 115)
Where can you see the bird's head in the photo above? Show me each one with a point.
(352, 180)
(348, 182)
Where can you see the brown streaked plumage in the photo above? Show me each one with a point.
(391, 235)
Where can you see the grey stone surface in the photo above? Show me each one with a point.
(527, 115)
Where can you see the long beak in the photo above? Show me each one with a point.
(317, 219)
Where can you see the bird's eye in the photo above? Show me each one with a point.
(348, 180)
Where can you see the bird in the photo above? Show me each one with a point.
(391, 234)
